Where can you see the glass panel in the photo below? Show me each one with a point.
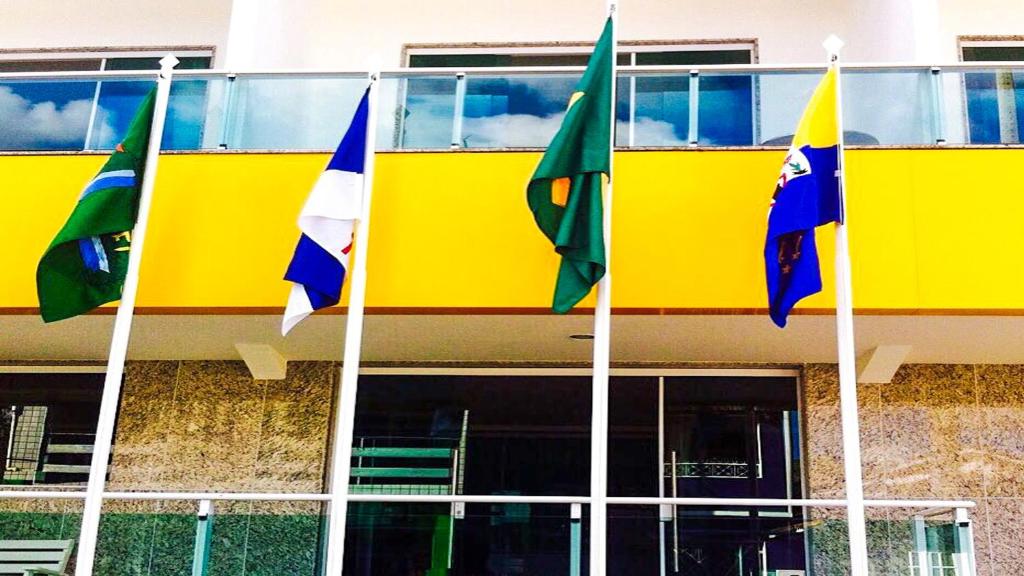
(117, 103)
(170, 537)
(40, 519)
(888, 107)
(520, 539)
(45, 114)
(416, 113)
(686, 57)
(47, 65)
(153, 63)
(514, 111)
(995, 106)
(724, 437)
(661, 107)
(536, 441)
(727, 541)
(781, 98)
(287, 113)
(47, 427)
(726, 110)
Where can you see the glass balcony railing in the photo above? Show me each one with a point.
(498, 108)
(220, 534)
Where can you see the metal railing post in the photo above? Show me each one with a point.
(692, 124)
(228, 107)
(575, 538)
(460, 107)
(938, 106)
(204, 538)
(921, 546)
(963, 543)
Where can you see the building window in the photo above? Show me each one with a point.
(89, 115)
(525, 111)
(995, 98)
(48, 426)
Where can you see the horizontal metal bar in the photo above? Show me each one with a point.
(83, 75)
(441, 499)
(40, 495)
(69, 449)
(66, 468)
(496, 499)
(682, 70)
(382, 472)
(228, 496)
(631, 501)
(394, 452)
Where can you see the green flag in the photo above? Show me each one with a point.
(565, 191)
(85, 264)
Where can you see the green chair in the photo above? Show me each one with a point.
(30, 557)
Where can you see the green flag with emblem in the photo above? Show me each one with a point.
(86, 263)
(564, 193)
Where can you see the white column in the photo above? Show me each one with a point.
(345, 412)
(122, 332)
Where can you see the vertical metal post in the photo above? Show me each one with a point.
(460, 107)
(963, 540)
(693, 127)
(575, 538)
(665, 511)
(90, 128)
(938, 106)
(227, 109)
(675, 515)
(345, 412)
(921, 547)
(632, 103)
(122, 332)
(204, 538)
(847, 356)
(602, 348)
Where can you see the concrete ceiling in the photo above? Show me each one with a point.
(532, 338)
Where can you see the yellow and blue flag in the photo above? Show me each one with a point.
(806, 196)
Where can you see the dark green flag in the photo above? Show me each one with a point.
(85, 264)
(565, 191)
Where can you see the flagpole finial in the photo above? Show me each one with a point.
(168, 62)
(833, 44)
(612, 7)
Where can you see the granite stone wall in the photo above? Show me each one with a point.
(936, 431)
(208, 426)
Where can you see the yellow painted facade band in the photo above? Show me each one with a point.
(930, 229)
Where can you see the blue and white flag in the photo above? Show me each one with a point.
(327, 222)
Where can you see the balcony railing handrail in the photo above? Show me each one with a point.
(483, 499)
(405, 72)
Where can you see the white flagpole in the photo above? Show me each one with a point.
(847, 353)
(345, 412)
(122, 332)
(602, 345)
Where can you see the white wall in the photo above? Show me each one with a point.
(326, 33)
(976, 18)
(33, 24)
(351, 33)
